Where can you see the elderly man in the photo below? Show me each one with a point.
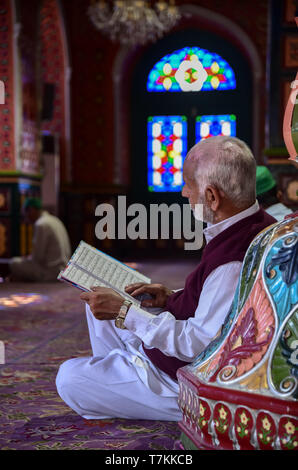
(50, 248)
(132, 373)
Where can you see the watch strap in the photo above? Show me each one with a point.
(119, 320)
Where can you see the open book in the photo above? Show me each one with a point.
(89, 267)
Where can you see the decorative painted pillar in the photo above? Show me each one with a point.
(241, 392)
(8, 119)
(56, 73)
(19, 158)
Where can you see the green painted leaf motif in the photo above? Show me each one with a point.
(284, 365)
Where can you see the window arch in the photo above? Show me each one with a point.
(191, 69)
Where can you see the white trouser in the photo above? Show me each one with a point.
(119, 380)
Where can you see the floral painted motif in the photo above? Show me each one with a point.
(204, 414)
(221, 423)
(243, 428)
(266, 431)
(284, 367)
(288, 433)
(202, 420)
(222, 419)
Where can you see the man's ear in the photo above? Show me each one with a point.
(213, 197)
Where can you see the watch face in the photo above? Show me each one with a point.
(120, 324)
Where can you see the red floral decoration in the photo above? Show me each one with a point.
(243, 428)
(266, 431)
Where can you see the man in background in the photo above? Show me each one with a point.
(269, 197)
(50, 247)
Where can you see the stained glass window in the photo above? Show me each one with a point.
(212, 125)
(191, 69)
(167, 148)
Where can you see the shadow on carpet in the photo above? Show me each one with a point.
(38, 337)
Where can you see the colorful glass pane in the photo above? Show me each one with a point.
(191, 69)
(167, 148)
(210, 126)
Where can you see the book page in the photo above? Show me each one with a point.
(90, 267)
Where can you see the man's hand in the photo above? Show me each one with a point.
(104, 303)
(159, 293)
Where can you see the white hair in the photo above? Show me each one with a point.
(228, 164)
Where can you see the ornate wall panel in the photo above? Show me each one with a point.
(30, 131)
(7, 115)
(54, 71)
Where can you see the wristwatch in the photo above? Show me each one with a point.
(119, 320)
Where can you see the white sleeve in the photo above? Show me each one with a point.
(185, 339)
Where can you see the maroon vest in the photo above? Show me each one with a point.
(230, 245)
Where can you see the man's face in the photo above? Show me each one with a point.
(194, 193)
(190, 188)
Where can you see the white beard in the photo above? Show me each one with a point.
(202, 213)
(198, 212)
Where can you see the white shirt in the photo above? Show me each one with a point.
(278, 211)
(185, 339)
(51, 246)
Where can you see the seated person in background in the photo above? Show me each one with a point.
(50, 247)
(132, 373)
(269, 196)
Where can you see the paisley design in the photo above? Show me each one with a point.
(249, 272)
(248, 341)
(252, 262)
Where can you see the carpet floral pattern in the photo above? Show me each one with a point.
(38, 337)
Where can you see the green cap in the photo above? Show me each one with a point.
(32, 202)
(264, 180)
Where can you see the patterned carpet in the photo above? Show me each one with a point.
(42, 325)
